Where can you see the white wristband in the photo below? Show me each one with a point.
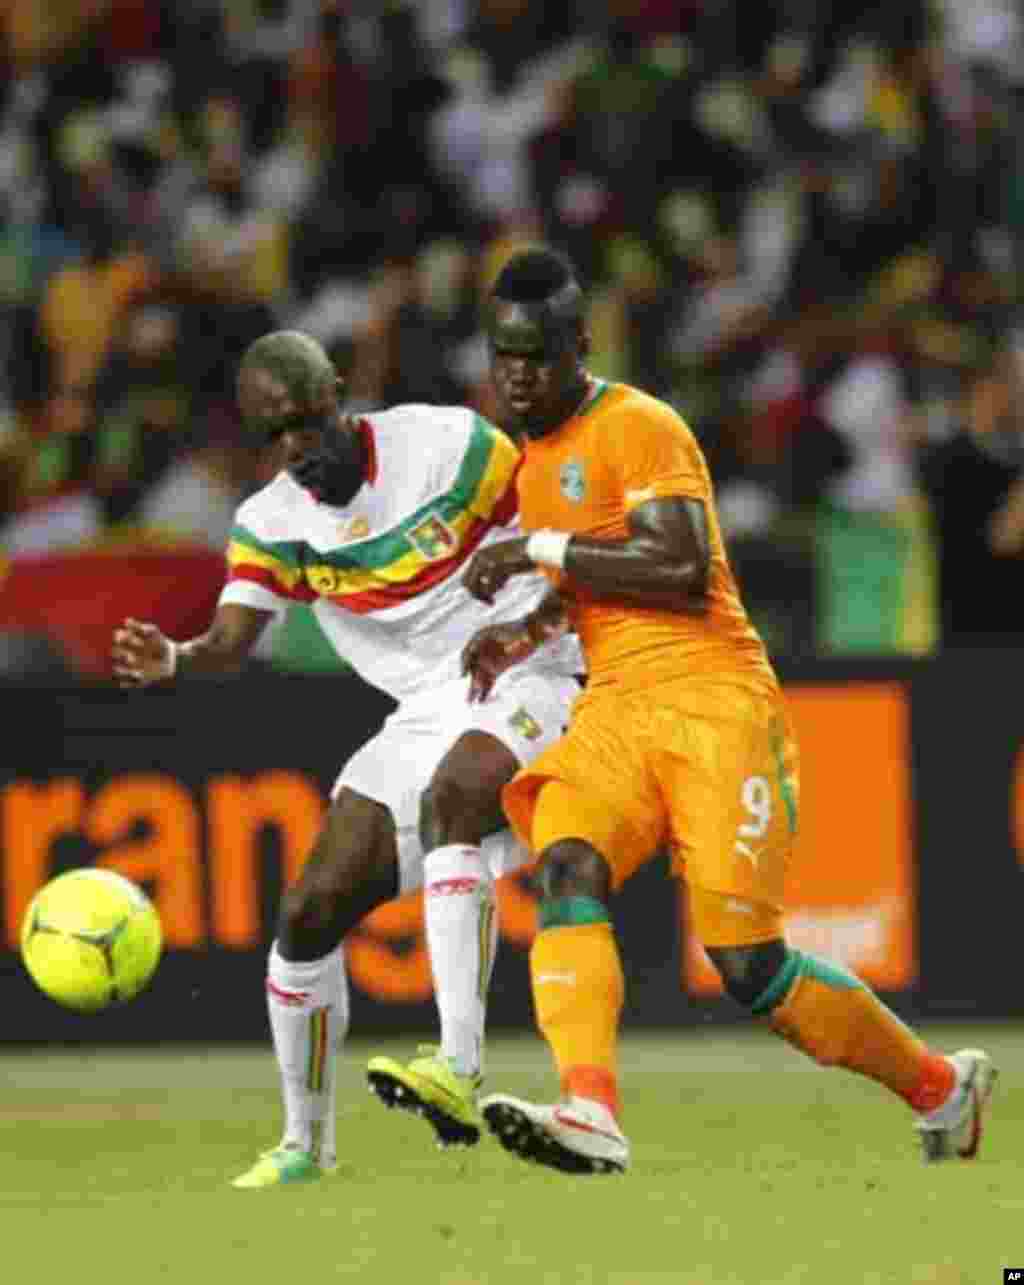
(548, 548)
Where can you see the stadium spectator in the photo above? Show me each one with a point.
(144, 397)
(84, 303)
(976, 482)
(753, 195)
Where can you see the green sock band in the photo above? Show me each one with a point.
(798, 964)
(779, 985)
(567, 912)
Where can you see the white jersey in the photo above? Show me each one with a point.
(384, 573)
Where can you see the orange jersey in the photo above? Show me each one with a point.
(622, 449)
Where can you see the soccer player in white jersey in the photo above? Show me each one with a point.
(372, 520)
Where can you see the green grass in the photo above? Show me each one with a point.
(750, 1168)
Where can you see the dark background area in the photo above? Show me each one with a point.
(968, 819)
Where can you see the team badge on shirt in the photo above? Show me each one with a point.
(572, 480)
(523, 722)
(355, 528)
(433, 538)
(323, 580)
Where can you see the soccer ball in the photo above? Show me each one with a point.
(91, 938)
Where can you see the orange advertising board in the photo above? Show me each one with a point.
(153, 829)
(1017, 806)
(201, 850)
(852, 885)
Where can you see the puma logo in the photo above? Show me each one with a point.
(747, 852)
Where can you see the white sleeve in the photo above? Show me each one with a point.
(247, 594)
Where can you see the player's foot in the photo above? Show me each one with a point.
(953, 1131)
(285, 1163)
(429, 1086)
(576, 1136)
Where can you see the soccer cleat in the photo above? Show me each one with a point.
(953, 1131)
(284, 1164)
(430, 1086)
(575, 1136)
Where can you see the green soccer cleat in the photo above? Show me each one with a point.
(429, 1086)
(282, 1165)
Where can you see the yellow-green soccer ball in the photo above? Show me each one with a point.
(91, 938)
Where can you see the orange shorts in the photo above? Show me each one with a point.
(708, 770)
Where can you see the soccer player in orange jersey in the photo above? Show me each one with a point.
(680, 740)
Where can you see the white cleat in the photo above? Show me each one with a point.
(953, 1131)
(575, 1136)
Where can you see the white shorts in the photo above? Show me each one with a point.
(527, 710)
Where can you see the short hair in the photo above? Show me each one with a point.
(534, 275)
(297, 360)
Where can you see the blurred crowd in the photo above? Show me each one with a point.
(801, 223)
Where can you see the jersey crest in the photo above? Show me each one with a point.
(573, 481)
(355, 528)
(433, 537)
(523, 722)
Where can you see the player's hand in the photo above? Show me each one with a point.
(141, 654)
(490, 569)
(491, 651)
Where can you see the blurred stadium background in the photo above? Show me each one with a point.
(802, 223)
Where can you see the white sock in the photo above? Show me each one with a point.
(462, 926)
(308, 1006)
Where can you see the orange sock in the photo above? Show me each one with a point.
(577, 995)
(832, 1016)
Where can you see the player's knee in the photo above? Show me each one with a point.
(459, 809)
(572, 868)
(748, 971)
(352, 869)
(440, 805)
(307, 909)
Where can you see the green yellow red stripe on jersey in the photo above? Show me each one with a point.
(417, 554)
(317, 1050)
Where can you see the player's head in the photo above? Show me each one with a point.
(288, 393)
(538, 340)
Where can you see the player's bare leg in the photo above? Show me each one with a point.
(833, 1017)
(578, 993)
(460, 807)
(352, 869)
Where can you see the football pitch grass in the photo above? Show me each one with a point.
(750, 1167)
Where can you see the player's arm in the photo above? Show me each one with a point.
(143, 655)
(496, 648)
(1006, 525)
(664, 561)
